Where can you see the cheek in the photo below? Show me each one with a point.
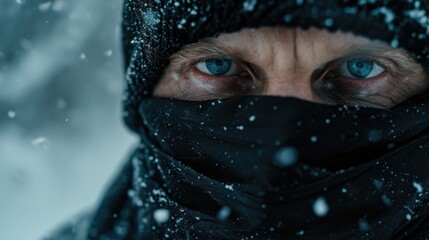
(184, 86)
(415, 82)
(171, 84)
(201, 84)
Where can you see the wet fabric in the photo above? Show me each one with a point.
(267, 167)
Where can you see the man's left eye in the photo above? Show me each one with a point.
(360, 68)
(218, 67)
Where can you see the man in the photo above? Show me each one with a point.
(273, 120)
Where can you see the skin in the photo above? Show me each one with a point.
(305, 64)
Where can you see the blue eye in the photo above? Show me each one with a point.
(360, 68)
(218, 67)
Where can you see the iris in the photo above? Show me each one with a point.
(218, 66)
(360, 68)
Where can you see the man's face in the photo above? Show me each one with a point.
(314, 65)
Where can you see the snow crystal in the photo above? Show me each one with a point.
(287, 18)
(300, 233)
(223, 213)
(408, 216)
(230, 187)
(327, 121)
(58, 6)
(161, 215)
(328, 86)
(389, 16)
(11, 114)
(108, 53)
(313, 139)
(61, 103)
(82, 56)
(386, 200)
(286, 157)
(176, 4)
(320, 207)
(240, 127)
(350, 10)
(175, 77)
(252, 118)
(329, 22)
(131, 193)
(121, 230)
(374, 135)
(419, 15)
(363, 225)
(394, 43)
(378, 184)
(249, 5)
(43, 7)
(41, 142)
(418, 187)
(151, 18)
(181, 23)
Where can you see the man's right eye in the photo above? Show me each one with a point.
(222, 67)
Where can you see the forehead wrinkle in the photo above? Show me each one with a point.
(343, 44)
(203, 47)
(325, 47)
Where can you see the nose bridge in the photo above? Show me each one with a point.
(290, 85)
(291, 67)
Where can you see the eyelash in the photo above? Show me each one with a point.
(328, 69)
(343, 91)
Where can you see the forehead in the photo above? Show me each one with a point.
(248, 42)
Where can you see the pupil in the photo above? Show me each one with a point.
(360, 68)
(218, 66)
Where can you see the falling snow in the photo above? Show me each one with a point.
(418, 187)
(11, 114)
(41, 142)
(249, 5)
(286, 157)
(320, 207)
(223, 213)
(161, 215)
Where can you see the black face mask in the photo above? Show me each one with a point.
(276, 168)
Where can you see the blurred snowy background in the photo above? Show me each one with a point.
(61, 136)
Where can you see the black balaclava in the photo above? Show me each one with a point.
(256, 167)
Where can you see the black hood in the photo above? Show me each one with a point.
(154, 30)
(256, 167)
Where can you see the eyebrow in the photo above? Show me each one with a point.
(207, 48)
(204, 49)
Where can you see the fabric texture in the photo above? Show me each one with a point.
(267, 167)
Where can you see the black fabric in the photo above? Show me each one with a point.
(154, 30)
(227, 169)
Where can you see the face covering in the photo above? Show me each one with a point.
(275, 168)
(258, 167)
